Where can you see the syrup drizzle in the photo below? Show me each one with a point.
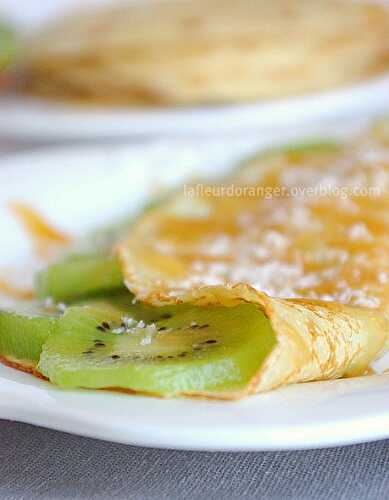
(15, 292)
(42, 234)
(45, 240)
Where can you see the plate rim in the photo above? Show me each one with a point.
(35, 119)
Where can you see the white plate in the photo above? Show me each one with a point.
(34, 119)
(81, 188)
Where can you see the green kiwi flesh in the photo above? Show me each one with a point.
(78, 276)
(179, 350)
(24, 329)
(88, 268)
(23, 332)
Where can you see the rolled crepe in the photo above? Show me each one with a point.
(303, 233)
(188, 52)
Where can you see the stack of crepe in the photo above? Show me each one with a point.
(190, 52)
(303, 233)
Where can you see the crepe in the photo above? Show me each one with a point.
(303, 233)
(190, 52)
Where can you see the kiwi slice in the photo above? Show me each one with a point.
(23, 332)
(125, 305)
(183, 350)
(78, 276)
(25, 328)
(89, 268)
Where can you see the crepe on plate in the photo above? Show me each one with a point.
(307, 241)
(277, 275)
(191, 52)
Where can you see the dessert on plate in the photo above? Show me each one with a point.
(275, 274)
(176, 53)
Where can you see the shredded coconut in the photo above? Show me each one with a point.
(150, 332)
(128, 322)
(118, 331)
(359, 231)
(49, 302)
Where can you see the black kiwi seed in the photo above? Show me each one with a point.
(101, 328)
(105, 325)
(162, 328)
(115, 356)
(210, 341)
(87, 352)
(196, 348)
(166, 316)
(99, 344)
(204, 326)
(182, 355)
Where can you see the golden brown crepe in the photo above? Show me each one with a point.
(23, 366)
(307, 226)
(189, 52)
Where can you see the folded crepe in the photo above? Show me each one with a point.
(189, 52)
(302, 233)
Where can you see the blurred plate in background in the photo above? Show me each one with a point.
(31, 118)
